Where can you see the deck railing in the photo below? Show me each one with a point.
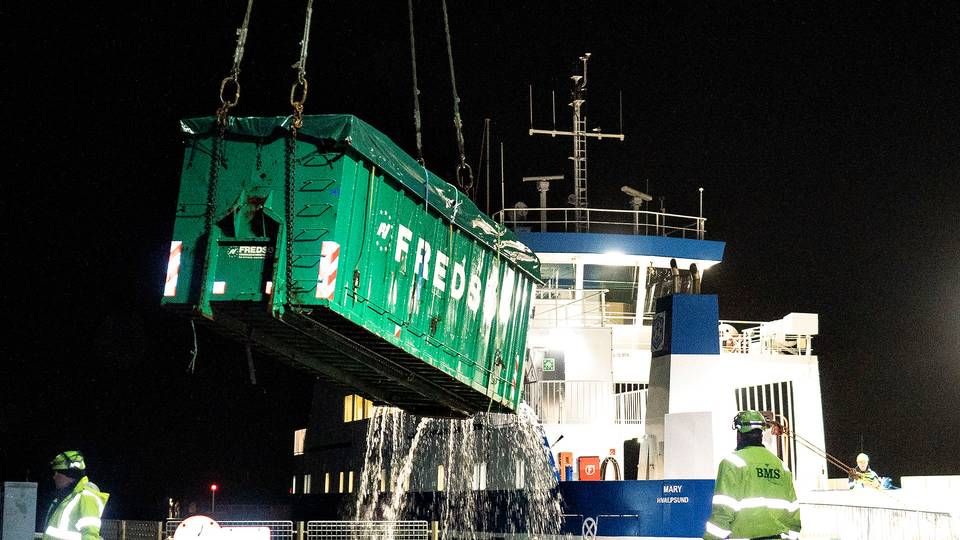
(751, 338)
(603, 220)
(581, 402)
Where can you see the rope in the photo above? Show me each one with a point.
(416, 91)
(464, 172)
(833, 460)
(301, 67)
(234, 77)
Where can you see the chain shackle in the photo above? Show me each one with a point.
(227, 103)
(465, 176)
(297, 99)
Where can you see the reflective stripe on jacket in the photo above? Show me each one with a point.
(77, 516)
(753, 497)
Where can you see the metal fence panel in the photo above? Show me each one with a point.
(367, 530)
(279, 530)
(116, 529)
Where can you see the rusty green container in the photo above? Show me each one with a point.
(336, 252)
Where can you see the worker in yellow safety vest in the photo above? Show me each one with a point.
(75, 512)
(754, 495)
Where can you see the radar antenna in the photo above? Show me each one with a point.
(580, 135)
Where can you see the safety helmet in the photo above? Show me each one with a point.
(71, 459)
(746, 421)
(861, 457)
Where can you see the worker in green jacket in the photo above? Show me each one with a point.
(75, 512)
(754, 495)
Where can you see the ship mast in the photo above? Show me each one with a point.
(579, 135)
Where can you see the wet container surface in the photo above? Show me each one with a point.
(334, 251)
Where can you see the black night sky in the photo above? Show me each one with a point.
(826, 139)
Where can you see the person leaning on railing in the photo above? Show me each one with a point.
(862, 476)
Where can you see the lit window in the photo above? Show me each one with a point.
(441, 480)
(383, 479)
(341, 482)
(350, 482)
(521, 476)
(326, 482)
(479, 476)
(356, 408)
(348, 408)
(299, 436)
(367, 408)
(306, 483)
(293, 487)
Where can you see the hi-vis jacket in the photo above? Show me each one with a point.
(753, 497)
(77, 516)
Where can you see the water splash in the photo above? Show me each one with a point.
(489, 472)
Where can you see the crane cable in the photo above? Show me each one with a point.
(416, 90)
(233, 78)
(297, 99)
(301, 67)
(464, 172)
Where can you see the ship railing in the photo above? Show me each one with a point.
(587, 402)
(603, 220)
(578, 308)
(751, 338)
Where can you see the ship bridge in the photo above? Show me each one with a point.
(607, 266)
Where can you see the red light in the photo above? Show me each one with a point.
(213, 487)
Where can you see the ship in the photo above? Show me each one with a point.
(630, 382)
(558, 370)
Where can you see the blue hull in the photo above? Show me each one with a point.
(637, 508)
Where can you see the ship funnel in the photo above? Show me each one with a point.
(695, 277)
(675, 272)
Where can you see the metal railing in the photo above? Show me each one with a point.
(115, 529)
(561, 402)
(279, 530)
(125, 529)
(367, 530)
(603, 220)
(753, 339)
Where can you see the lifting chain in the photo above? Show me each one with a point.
(288, 209)
(298, 96)
(298, 92)
(464, 172)
(230, 85)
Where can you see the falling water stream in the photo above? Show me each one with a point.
(491, 470)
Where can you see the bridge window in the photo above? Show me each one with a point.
(621, 283)
(559, 276)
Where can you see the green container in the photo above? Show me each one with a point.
(335, 251)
